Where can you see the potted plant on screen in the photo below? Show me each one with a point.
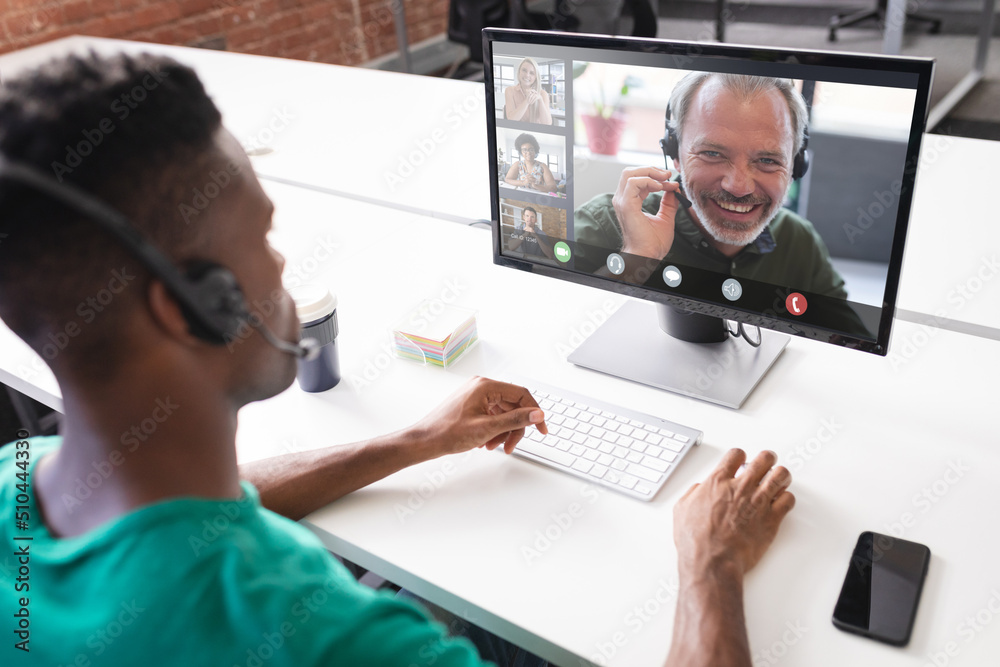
(606, 124)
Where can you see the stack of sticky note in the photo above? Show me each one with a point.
(435, 333)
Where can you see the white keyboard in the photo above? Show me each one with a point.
(621, 449)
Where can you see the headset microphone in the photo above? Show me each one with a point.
(306, 349)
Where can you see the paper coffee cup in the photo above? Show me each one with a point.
(316, 307)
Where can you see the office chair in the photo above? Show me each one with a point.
(878, 13)
(643, 18)
(566, 16)
(466, 20)
(17, 408)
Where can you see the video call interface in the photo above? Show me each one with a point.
(573, 125)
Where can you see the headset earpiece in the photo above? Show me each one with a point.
(209, 295)
(801, 163)
(219, 297)
(669, 143)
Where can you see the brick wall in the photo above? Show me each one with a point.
(344, 32)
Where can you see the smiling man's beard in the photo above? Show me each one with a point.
(727, 231)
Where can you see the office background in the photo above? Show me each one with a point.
(936, 370)
(369, 33)
(342, 32)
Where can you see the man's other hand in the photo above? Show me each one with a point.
(644, 234)
(729, 521)
(484, 413)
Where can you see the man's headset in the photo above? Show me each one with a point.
(209, 294)
(671, 148)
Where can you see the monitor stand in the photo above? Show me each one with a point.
(688, 353)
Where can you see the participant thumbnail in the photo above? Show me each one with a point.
(530, 162)
(530, 90)
(531, 229)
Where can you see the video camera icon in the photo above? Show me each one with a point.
(562, 251)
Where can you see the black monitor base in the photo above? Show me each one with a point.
(630, 345)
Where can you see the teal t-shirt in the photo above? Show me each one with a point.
(194, 581)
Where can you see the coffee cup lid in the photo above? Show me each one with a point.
(312, 302)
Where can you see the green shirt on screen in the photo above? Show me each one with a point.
(789, 252)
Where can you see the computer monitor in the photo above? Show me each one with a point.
(731, 187)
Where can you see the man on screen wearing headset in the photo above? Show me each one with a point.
(131, 550)
(739, 141)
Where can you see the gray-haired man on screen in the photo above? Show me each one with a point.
(738, 141)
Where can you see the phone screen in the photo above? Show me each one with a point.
(882, 588)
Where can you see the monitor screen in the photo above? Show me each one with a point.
(794, 174)
(762, 186)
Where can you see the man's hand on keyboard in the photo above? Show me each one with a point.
(484, 413)
(728, 520)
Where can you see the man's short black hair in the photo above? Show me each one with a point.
(528, 208)
(135, 131)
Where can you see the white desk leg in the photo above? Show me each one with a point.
(895, 24)
(402, 40)
(985, 34)
(962, 88)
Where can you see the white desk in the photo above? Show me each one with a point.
(900, 425)
(951, 268)
(893, 428)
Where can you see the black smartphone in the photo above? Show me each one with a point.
(882, 588)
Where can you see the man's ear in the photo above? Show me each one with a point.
(167, 314)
